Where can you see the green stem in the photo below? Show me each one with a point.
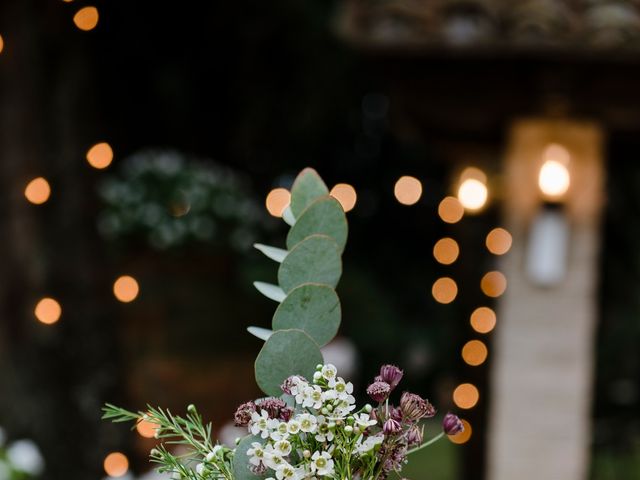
(426, 444)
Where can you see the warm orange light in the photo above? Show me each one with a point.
(499, 241)
(554, 179)
(86, 18)
(146, 428)
(126, 288)
(37, 191)
(472, 194)
(277, 201)
(483, 320)
(446, 251)
(444, 290)
(1, 44)
(345, 194)
(48, 311)
(474, 353)
(408, 190)
(100, 155)
(473, 173)
(493, 284)
(450, 210)
(466, 396)
(464, 436)
(116, 464)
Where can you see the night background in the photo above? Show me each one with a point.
(207, 107)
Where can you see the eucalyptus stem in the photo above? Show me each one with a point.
(426, 444)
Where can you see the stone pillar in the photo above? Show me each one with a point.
(539, 421)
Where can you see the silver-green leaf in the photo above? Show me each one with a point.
(261, 333)
(307, 187)
(270, 291)
(326, 216)
(241, 459)
(316, 259)
(274, 253)
(312, 308)
(285, 353)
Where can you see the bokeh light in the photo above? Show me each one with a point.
(346, 195)
(499, 241)
(444, 290)
(493, 284)
(483, 320)
(464, 436)
(37, 191)
(86, 18)
(146, 429)
(473, 194)
(277, 201)
(557, 152)
(554, 179)
(450, 210)
(126, 288)
(116, 464)
(474, 353)
(408, 190)
(48, 311)
(1, 44)
(100, 155)
(473, 173)
(466, 396)
(446, 251)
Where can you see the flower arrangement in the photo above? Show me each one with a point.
(308, 427)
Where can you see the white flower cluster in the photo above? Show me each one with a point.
(323, 436)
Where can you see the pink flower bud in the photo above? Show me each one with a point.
(391, 374)
(391, 427)
(379, 391)
(243, 414)
(452, 425)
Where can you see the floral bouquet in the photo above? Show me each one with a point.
(308, 427)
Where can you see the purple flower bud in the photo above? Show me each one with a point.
(414, 407)
(379, 391)
(259, 469)
(272, 405)
(452, 425)
(391, 427)
(414, 436)
(391, 374)
(243, 414)
(395, 413)
(285, 414)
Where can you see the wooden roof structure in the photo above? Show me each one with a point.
(582, 27)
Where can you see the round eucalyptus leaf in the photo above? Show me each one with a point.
(241, 460)
(316, 259)
(307, 187)
(313, 308)
(325, 216)
(285, 353)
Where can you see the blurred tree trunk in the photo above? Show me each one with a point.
(54, 378)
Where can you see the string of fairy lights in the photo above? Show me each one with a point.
(471, 198)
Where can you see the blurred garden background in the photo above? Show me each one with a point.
(145, 146)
